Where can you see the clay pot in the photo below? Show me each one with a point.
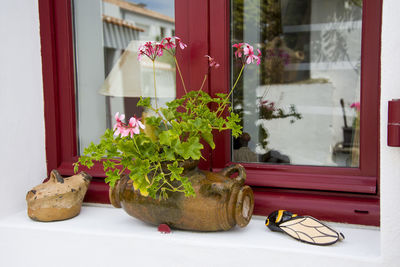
(220, 202)
(59, 198)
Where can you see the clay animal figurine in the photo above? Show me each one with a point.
(59, 198)
(303, 228)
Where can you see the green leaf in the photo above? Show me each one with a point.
(112, 177)
(144, 102)
(166, 137)
(154, 121)
(174, 168)
(209, 138)
(190, 149)
(169, 154)
(168, 114)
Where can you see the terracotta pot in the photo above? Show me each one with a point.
(220, 202)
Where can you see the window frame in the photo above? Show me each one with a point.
(353, 186)
(280, 188)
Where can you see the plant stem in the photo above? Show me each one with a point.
(234, 86)
(201, 88)
(237, 79)
(180, 74)
(155, 87)
(204, 80)
(137, 148)
(122, 171)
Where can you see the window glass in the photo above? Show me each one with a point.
(109, 78)
(301, 105)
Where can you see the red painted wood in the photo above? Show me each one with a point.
(97, 192)
(58, 81)
(345, 208)
(50, 83)
(325, 182)
(66, 85)
(192, 61)
(192, 26)
(220, 78)
(295, 176)
(181, 19)
(370, 84)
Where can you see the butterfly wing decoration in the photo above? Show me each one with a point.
(303, 228)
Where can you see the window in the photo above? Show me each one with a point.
(332, 193)
(109, 78)
(319, 190)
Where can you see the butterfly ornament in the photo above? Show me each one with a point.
(303, 228)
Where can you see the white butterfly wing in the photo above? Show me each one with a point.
(310, 230)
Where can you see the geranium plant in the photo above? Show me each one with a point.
(151, 149)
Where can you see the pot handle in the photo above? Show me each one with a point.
(228, 171)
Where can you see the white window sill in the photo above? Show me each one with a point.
(105, 236)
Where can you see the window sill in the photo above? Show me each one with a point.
(107, 236)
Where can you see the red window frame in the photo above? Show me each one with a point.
(336, 194)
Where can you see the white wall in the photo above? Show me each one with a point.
(390, 156)
(22, 158)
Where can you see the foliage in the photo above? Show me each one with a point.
(153, 152)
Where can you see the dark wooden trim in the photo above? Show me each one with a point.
(191, 60)
(66, 78)
(50, 83)
(58, 82)
(220, 78)
(370, 84)
(336, 207)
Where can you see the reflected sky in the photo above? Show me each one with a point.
(165, 7)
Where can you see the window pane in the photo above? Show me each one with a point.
(300, 106)
(109, 78)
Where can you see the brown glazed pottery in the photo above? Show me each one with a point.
(59, 198)
(220, 202)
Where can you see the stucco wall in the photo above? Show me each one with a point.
(22, 159)
(22, 150)
(390, 156)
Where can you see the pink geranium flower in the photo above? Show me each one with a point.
(246, 53)
(119, 118)
(119, 125)
(179, 42)
(168, 44)
(239, 49)
(171, 43)
(133, 127)
(258, 57)
(212, 62)
(150, 49)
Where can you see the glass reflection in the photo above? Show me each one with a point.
(301, 105)
(109, 78)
